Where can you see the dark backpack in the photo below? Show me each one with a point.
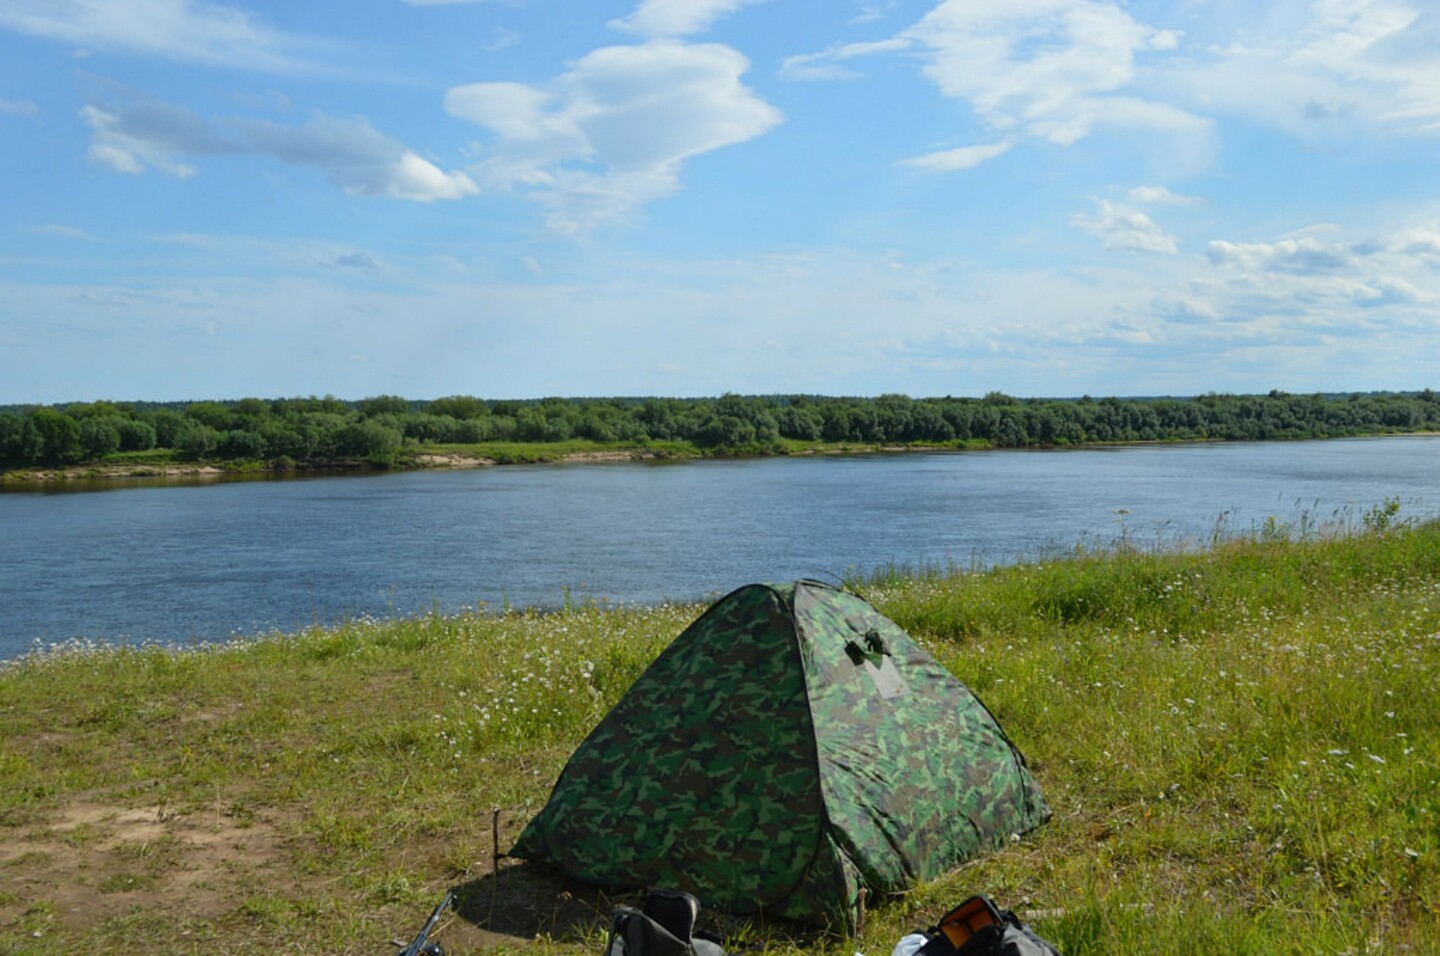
(665, 926)
(991, 931)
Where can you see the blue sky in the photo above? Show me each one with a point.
(522, 198)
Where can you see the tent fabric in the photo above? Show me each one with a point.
(791, 747)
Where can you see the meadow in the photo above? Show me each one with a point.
(1240, 743)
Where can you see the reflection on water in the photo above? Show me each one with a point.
(155, 561)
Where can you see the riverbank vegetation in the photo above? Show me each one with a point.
(389, 431)
(1239, 742)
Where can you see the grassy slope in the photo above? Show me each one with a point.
(1241, 747)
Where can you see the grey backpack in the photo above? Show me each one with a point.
(664, 926)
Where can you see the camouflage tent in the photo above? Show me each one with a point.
(792, 746)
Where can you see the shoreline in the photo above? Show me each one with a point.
(424, 461)
(210, 470)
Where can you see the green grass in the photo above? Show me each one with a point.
(1240, 744)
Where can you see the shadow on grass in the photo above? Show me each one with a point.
(529, 901)
(524, 900)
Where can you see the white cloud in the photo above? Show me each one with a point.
(1159, 195)
(420, 180)
(193, 31)
(1054, 69)
(872, 11)
(356, 157)
(825, 65)
(612, 133)
(1305, 256)
(1120, 227)
(352, 153)
(1381, 290)
(1174, 324)
(1326, 65)
(673, 18)
(18, 107)
(1389, 44)
(1421, 242)
(1046, 66)
(1060, 69)
(146, 137)
(965, 157)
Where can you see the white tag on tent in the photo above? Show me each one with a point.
(886, 678)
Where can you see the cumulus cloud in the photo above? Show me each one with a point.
(192, 31)
(357, 157)
(613, 131)
(1304, 282)
(1049, 68)
(1303, 256)
(965, 157)
(349, 151)
(1061, 69)
(673, 18)
(1121, 227)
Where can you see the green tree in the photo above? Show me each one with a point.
(213, 414)
(196, 441)
(725, 431)
(458, 406)
(288, 439)
(241, 444)
(255, 409)
(369, 440)
(135, 434)
(20, 442)
(167, 424)
(59, 436)
(99, 437)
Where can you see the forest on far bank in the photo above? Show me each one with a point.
(379, 430)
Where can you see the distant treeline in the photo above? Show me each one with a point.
(295, 430)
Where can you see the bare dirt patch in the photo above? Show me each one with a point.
(89, 860)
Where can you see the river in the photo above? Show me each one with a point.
(176, 564)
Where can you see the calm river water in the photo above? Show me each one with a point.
(182, 564)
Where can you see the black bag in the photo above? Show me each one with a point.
(665, 926)
(977, 927)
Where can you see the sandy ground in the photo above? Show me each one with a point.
(92, 861)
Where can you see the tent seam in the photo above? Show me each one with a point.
(826, 824)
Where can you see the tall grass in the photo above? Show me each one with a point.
(1240, 745)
